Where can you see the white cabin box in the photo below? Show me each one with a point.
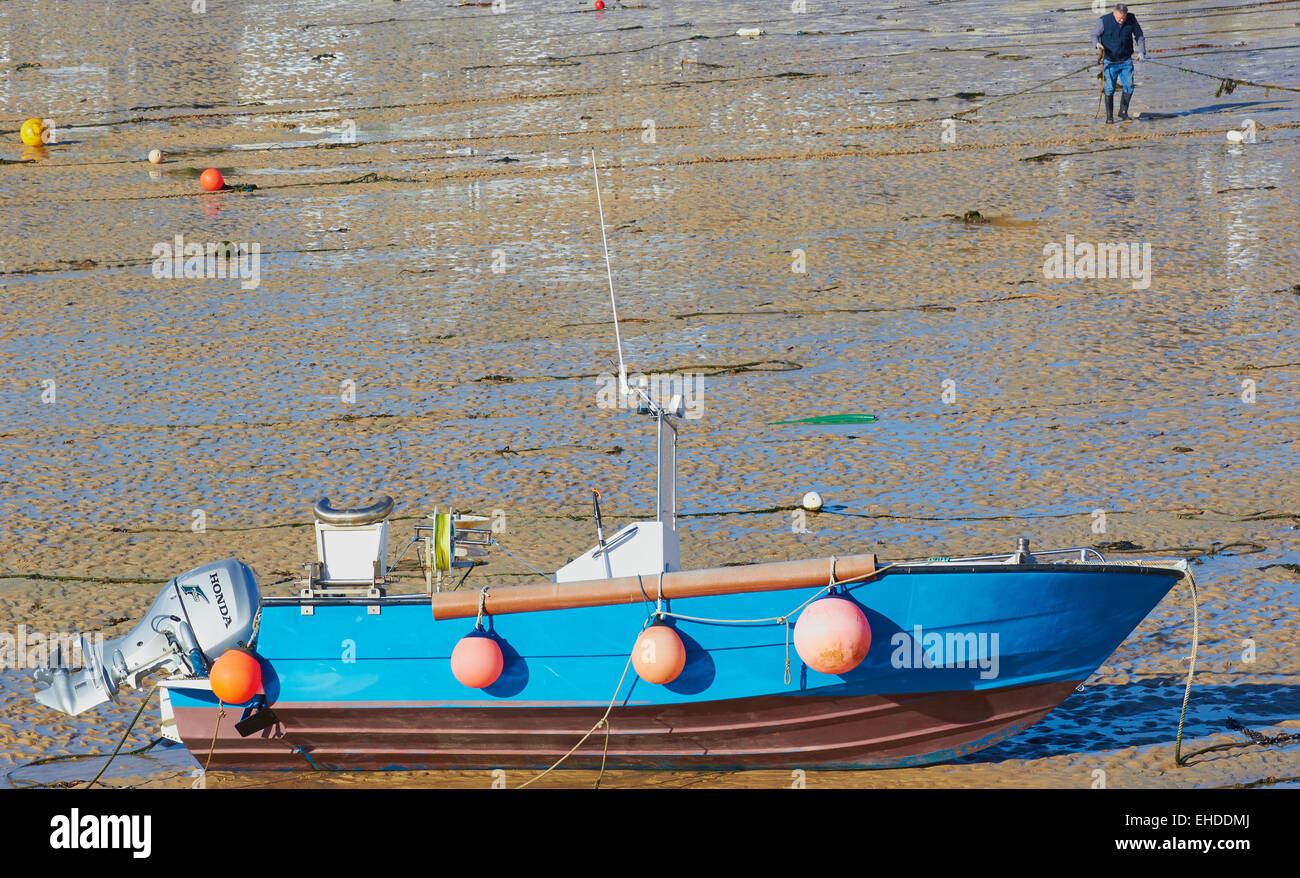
(645, 548)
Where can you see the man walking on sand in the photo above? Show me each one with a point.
(1113, 36)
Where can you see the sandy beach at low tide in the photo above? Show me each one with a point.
(786, 221)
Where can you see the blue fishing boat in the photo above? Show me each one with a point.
(928, 659)
(620, 659)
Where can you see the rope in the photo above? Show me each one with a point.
(783, 619)
(257, 627)
(216, 728)
(482, 603)
(1227, 84)
(603, 721)
(517, 558)
(1254, 736)
(1191, 669)
(603, 753)
(787, 653)
(70, 757)
(118, 749)
(1016, 94)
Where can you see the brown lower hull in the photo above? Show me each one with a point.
(806, 731)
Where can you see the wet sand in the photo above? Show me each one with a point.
(401, 150)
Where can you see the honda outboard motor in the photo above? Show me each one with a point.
(196, 618)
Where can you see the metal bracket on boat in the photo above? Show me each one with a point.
(615, 540)
(1021, 555)
(316, 587)
(360, 515)
(261, 717)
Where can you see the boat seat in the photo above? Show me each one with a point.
(351, 543)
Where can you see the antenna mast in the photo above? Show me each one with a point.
(609, 273)
(666, 440)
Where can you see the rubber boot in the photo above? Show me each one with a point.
(1123, 106)
(1110, 109)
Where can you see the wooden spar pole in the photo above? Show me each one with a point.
(541, 597)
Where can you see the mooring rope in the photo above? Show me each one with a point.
(252, 637)
(1256, 739)
(1227, 84)
(216, 729)
(1191, 669)
(118, 749)
(70, 757)
(1016, 94)
(603, 721)
(659, 612)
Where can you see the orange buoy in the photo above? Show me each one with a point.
(477, 660)
(211, 180)
(236, 676)
(832, 635)
(659, 655)
(32, 132)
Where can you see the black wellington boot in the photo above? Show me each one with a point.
(1110, 109)
(1123, 106)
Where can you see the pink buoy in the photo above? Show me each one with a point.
(477, 661)
(659, 655)
(832, 635)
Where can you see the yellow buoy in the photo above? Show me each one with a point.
(32, 132)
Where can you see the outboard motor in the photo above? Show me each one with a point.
(196, 618)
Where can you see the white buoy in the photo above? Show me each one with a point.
(155, 156)
(1236, 136)
(750, 32)
(812, 501)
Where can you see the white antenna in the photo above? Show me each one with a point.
(666, 456)
(609, 272)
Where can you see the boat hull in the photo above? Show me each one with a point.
(774, 731)
(350, 688)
